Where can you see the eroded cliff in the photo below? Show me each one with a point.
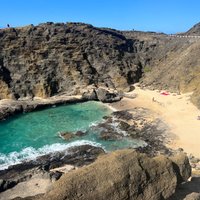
(56, 58)
(53, 58)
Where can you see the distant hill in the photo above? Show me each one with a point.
(195, 30)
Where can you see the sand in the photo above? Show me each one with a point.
(176, 110)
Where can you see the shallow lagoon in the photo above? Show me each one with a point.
(29, 135)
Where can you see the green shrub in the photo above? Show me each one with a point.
(147, 69)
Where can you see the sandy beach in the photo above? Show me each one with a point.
(176, 110)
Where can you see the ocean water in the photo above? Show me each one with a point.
(27, 136)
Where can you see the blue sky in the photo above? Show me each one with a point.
(168, 16)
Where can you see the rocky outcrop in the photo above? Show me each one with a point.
(50, 58)
(71, 135)
(80, 133)
(53, 58)
(120, 175)
(193, 196)
(67, 135)
(139, 126)
(11, 107)
(76, 156)
(102, 94)
(90, 94)
(110, 135)
(107, 96)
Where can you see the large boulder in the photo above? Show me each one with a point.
(102, 94)
(123, 174)
(192, 196)
(89, 95)
(67, 135)
(179, 163)
(107, 96)
(9, 107)
(110, 136)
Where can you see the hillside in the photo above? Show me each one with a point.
(176, 67)
(195, 30)
(174, 64)
(50, 58)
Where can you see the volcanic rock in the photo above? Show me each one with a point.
(129, 175)
(67, 135)
(125, 115)
(77, 156)
(90, 95)
(52, 58)
(107, 96)
(110, 136)
(80, 133)
(192, 196)
(124, 126)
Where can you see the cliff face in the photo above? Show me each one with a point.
(52, 58)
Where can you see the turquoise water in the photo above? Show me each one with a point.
(29, 135)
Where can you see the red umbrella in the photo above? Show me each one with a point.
(164, 93)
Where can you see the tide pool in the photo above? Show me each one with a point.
(29, 135)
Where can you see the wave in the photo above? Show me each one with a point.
(30, 153)
(95, 123)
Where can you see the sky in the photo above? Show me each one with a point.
(169, 16)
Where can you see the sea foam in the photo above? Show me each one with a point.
(30, 153)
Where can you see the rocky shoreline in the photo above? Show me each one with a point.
(79, 59)
(50, 167)
(133, 124)
(9, 107)
(76, 156)
(137, 123)
(131, 175)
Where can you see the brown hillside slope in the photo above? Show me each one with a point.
(174, 64)
(178, 70)
(195, 30)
